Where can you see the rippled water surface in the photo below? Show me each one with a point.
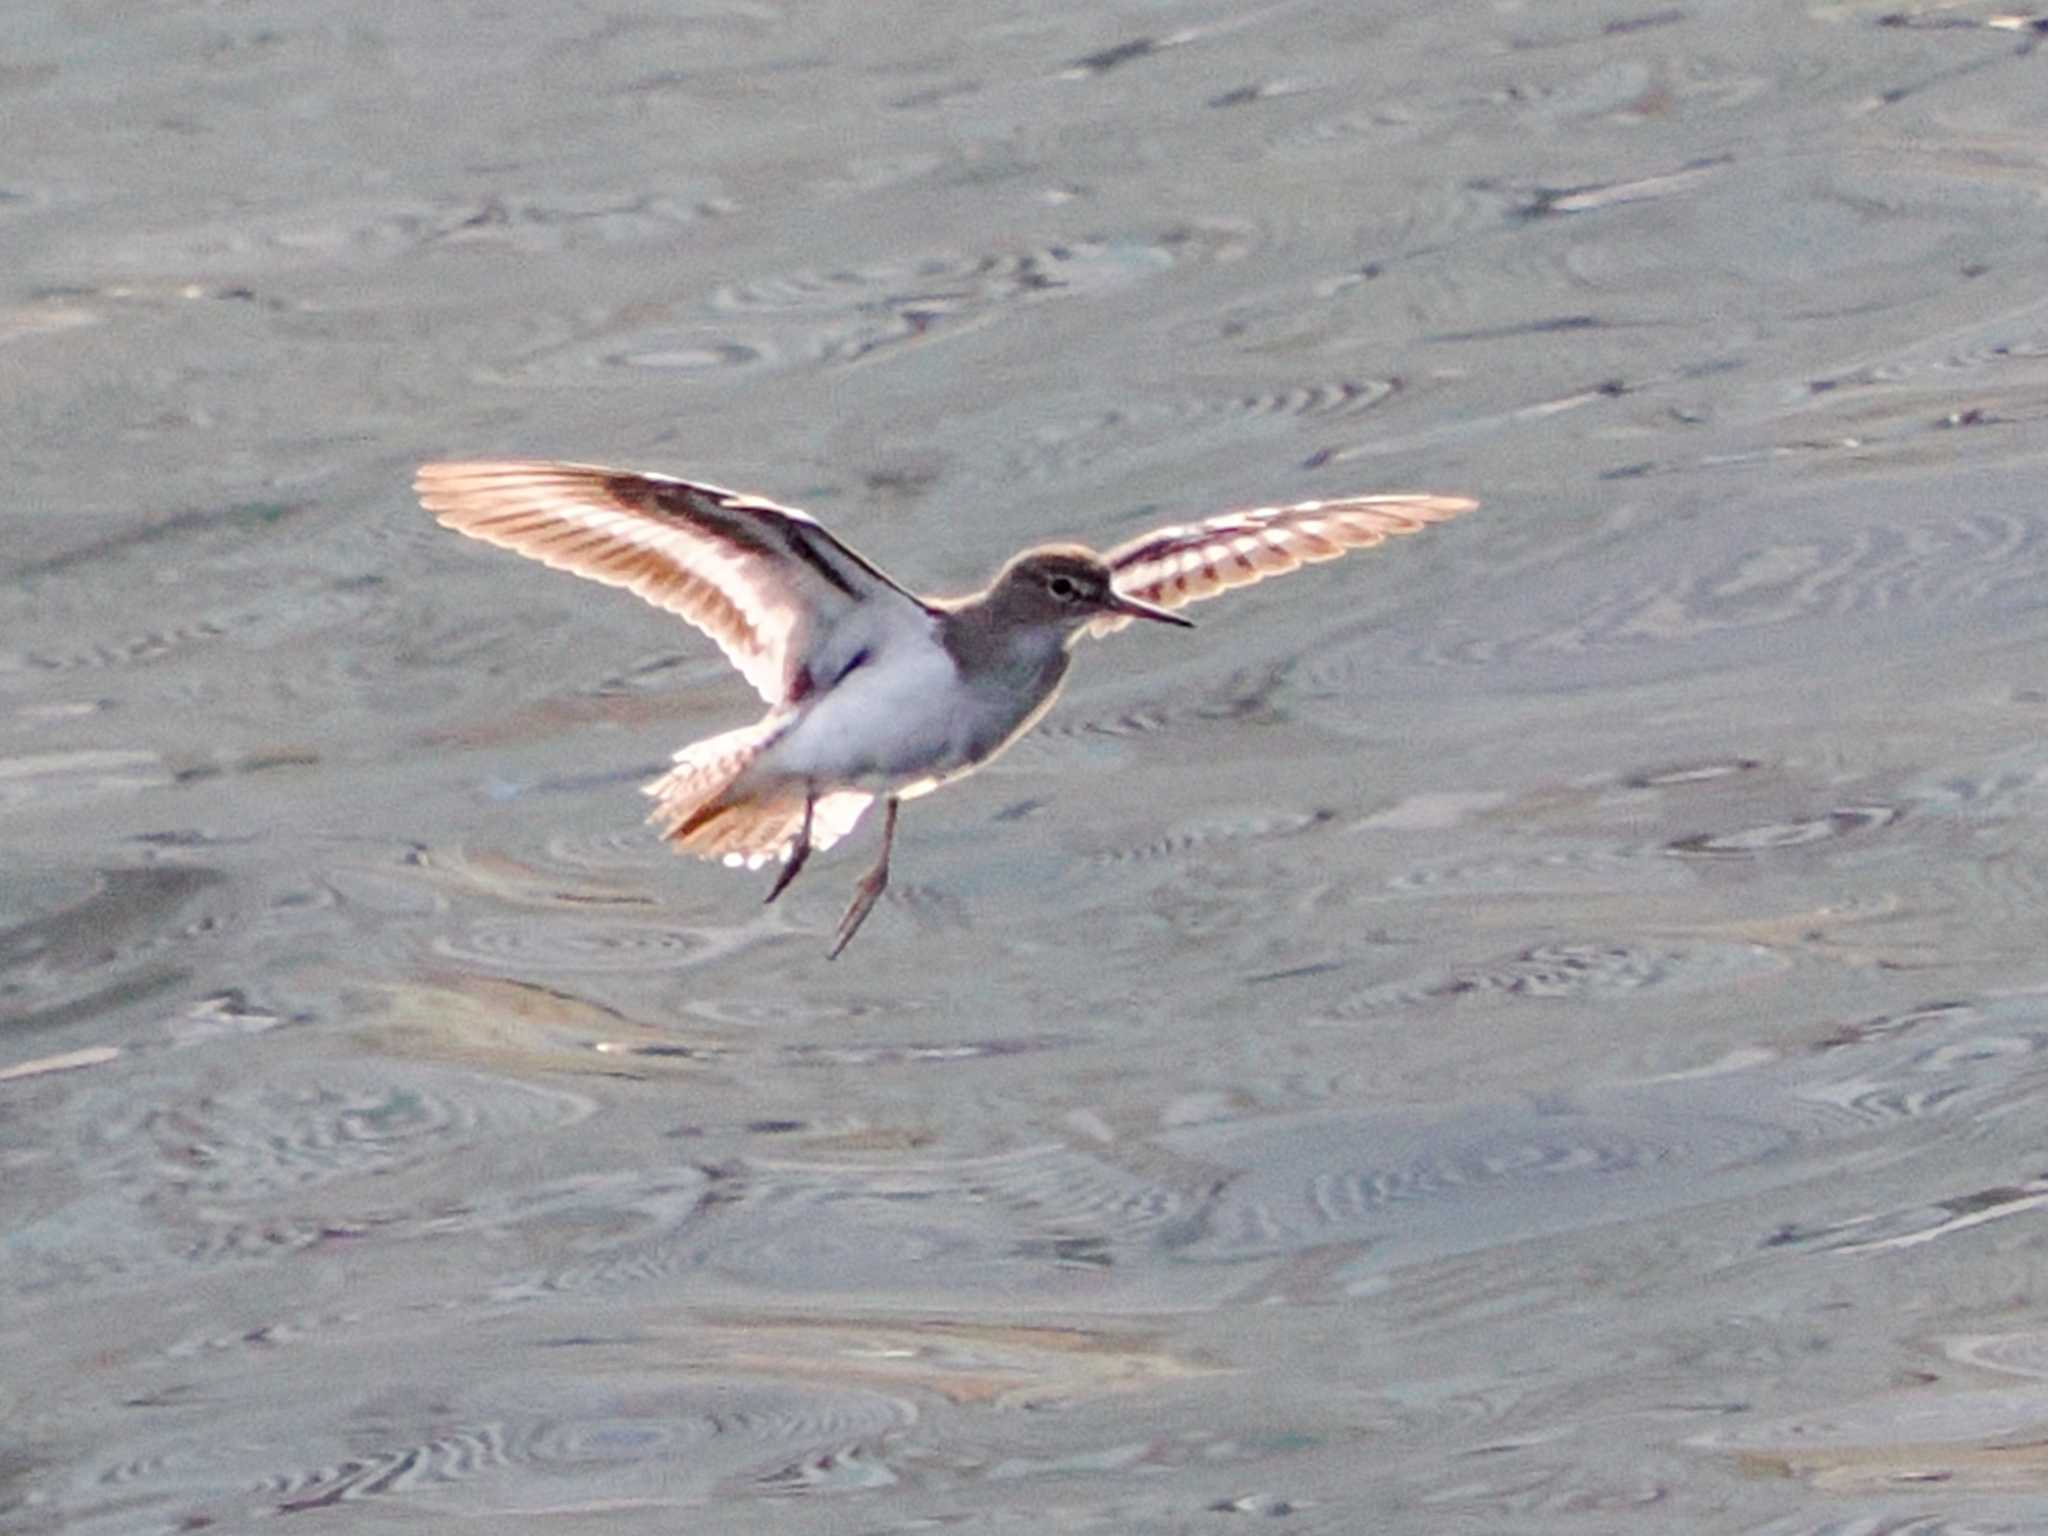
(1543, 1027)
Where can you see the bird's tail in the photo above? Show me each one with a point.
(702, 808)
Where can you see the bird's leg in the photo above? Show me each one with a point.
(871, 886)
(801, 851)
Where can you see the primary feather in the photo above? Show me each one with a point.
(1187, 562)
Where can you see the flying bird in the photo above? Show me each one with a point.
(873, 691)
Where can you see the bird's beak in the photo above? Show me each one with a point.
(1131, 607)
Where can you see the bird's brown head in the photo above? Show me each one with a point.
(1067, 584)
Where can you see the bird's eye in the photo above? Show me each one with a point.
(1063, 586)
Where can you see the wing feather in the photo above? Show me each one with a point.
(761, 580)
(1188, 562)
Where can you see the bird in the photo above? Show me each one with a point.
(873, 691)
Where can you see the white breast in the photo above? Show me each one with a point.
(896, 718)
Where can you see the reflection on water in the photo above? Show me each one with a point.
(1531, 1031)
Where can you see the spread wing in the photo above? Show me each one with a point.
(1191, 561)
(759, 579)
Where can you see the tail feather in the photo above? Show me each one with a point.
(701, 810)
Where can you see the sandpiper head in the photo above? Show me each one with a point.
(1068, 584)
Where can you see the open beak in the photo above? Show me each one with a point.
(1130, 606)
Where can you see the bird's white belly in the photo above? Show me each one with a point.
(885, 725)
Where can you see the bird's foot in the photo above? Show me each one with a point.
(789, 872)
(798, 853)
(871, 886)
(865, 895)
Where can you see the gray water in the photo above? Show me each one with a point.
(1539, 1027)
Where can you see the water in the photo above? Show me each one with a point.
(1538, 1027)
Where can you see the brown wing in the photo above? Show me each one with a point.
(759, 579)
(1191, 561)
